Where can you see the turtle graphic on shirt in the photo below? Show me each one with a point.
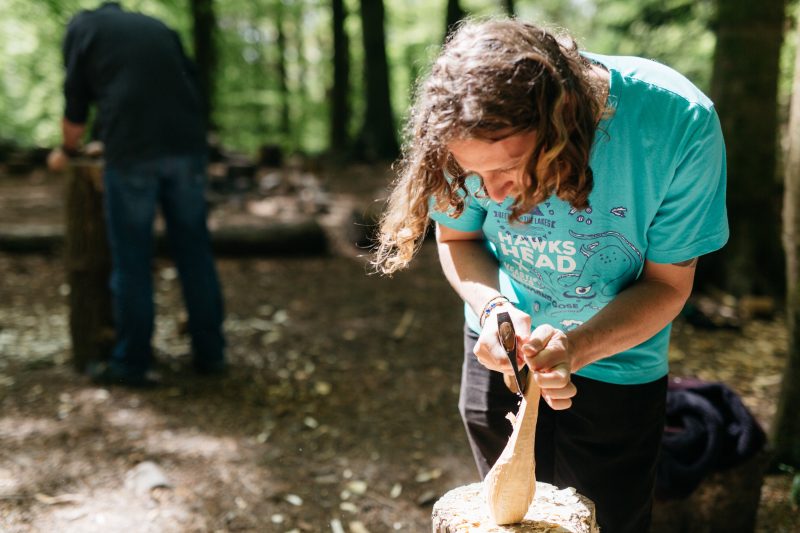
(611, 263)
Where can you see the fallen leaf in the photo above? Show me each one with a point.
(348, 507)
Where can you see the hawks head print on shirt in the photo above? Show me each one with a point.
(561, 269)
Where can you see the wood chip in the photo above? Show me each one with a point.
(348, 507)
(358, 527)
(294, 499)
(58, 500)
(404, 324)
(323, 388)
(336, 526)
(423, 476)
(357, 487)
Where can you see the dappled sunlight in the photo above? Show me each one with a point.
(17, 429)
(316, 131)
(116, 509)
(76, 471)
(9, 483)
(134, 418)
(349, 422)
(192, 443)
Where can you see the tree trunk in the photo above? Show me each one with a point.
(454, 15)
(509, 5)
(744, 89)
(301, 86)
(786, 430)
(377, 139)
(88, 264)
(205, 54)
(340, 104)
(283, 87)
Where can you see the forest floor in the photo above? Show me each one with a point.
(339, 408)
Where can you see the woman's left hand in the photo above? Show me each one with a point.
(547, 353)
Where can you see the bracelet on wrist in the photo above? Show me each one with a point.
(497, 301)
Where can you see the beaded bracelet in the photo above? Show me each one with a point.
(490, 305)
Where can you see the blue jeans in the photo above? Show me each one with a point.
(132, 194)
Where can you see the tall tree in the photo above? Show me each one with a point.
(454, 15)
(509, 5)
(744, 89)
(283, 87)
(377, 139)
(340, 103)
(301, 89)
(786, 430)
(204, 25)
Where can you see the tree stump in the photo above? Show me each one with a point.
(464, 509)
(88, 264)
(726, 501)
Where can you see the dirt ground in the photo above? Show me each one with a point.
(338, 414)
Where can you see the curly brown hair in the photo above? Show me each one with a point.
(493, 79)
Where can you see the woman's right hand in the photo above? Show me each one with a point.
(490, 351)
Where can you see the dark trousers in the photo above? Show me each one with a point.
(132, 195)
(605, 445)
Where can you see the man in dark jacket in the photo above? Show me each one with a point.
(133, 69)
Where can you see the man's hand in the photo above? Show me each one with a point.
(488, 349)
(547, 353)
(72, 133)
(57, 160)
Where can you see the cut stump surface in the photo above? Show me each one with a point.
(463, 509)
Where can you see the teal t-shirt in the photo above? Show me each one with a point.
(659, 195)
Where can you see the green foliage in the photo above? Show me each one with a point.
(31, 33)
(249, 94)
(29, 93)
(787, 61)
(675, 32)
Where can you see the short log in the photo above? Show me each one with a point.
(464, 509)
(727, 500)
(88, 264)
(303, 237)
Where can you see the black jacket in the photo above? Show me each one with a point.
(708, 429)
